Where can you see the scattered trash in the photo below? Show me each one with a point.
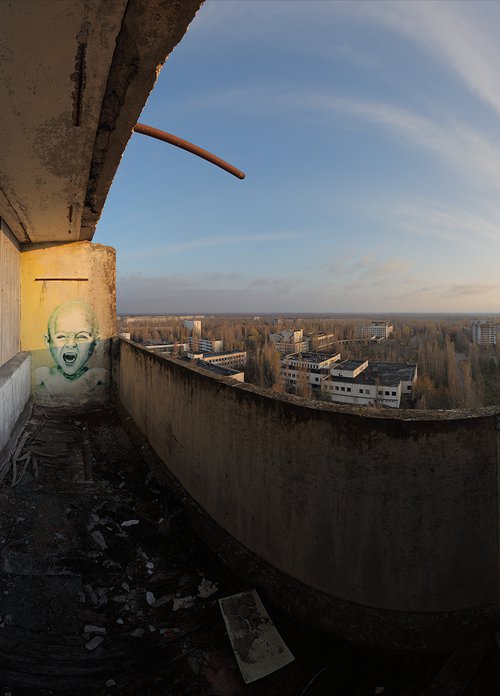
(129, 523)
(90, 628)
(183, 603)
(257, 645)
(150, 598)
(94, 642)
(163, 600)
(99, 540)
(119, 621)
(125, 586)
(206, 588)
(110, 682)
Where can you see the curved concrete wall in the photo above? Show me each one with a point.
(392, 511)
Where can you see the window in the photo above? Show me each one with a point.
(394, 393)
(360, 391)
(348, 388)
(367, 391)
(336, 388)
(342, 388)
(380, 393)
(409, 387)
(387, 393)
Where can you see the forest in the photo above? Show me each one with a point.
(453, 372)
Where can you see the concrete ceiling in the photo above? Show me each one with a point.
(74, 77)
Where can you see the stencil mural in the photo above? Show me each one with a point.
(72, 337)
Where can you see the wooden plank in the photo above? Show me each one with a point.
(458, 671)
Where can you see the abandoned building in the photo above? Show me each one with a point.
(379, 528)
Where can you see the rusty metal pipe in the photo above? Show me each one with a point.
(190, 147)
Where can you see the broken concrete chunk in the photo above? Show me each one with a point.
(94, 642)
(110, 682)
(129, 523)
(138, 633)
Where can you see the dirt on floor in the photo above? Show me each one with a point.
(104, 589)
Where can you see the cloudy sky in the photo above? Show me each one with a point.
(370, 136)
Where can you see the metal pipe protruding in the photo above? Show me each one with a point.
(190, 147)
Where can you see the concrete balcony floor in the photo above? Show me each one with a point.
(69, 562)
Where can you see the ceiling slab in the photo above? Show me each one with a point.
(74, 77)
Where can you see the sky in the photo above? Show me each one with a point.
(369, 133)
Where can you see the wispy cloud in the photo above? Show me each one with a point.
(436, 220)
(222, 240)
(455, 32)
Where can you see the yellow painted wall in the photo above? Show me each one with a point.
(72, 287)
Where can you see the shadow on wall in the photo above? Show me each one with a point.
(74, 368)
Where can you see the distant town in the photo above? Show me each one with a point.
(408, 362)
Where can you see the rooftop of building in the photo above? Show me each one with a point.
(311, 356)
(349, 364)
(215, 369)
(388, 374)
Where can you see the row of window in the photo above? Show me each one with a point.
(366, 391)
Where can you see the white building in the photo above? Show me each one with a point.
(313, 367)
(363, 383)
(193, 325)
(485, 331)
(377, 329)
(205, 345)
(230, 358)
(168, 348)
(290, 341)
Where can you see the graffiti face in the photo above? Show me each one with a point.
(72, 337)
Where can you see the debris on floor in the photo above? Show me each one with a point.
(257, 645)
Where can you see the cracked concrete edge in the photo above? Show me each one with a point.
(150, 31)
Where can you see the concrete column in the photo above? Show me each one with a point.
(68, 317)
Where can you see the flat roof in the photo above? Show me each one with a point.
(216, 369)
(389, 374)
(349, 364)
(311, 357)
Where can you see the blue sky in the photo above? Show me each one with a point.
(370, 137)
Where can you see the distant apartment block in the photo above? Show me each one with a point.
(205, 345)
(364, 383)
(485, 331)
(320, 341)
(377, 329)
(125, 334)
(230, 358)
(193, 325)
(290, 341)
(314, 368)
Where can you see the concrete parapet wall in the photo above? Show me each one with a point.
(393, 511)
(15, 388)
